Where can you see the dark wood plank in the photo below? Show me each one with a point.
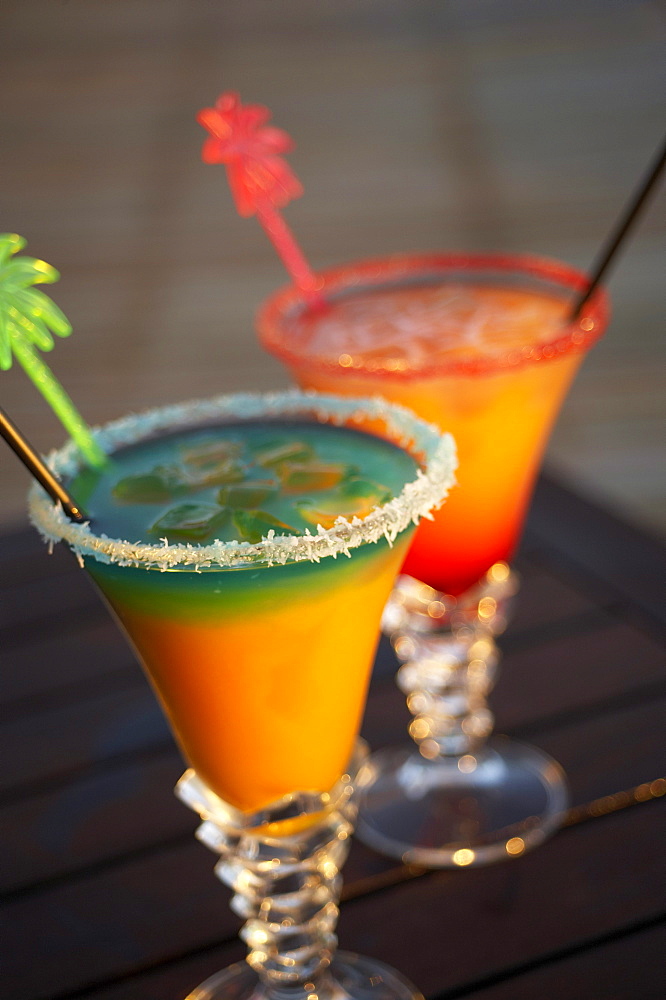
(169, 981)
(92, 820)
(625, 968)
(575, 673)
(24, 556)
(44, 643)
(563, 675)
(51, 745)
(544, 598)
(143, 910)
(17, 544)
(565, 659)
(70, 663)
(461, 927)
(569, 890)
(602, 756)
(605, 549)
(579, 673)
(37, 604)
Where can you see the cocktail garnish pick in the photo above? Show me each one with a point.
(28, 320)
(33, 463)
(260, 179)
(622, 227)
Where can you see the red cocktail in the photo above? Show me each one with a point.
(478, 345)
(483, 347)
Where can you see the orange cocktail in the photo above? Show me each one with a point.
(257, 639)
(247, 545)
(479, 345)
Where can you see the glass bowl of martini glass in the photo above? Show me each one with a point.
(247, 545)
(480, 345)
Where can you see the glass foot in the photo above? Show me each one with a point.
(350, 977)
(482, 807)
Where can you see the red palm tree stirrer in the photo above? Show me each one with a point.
(260, 179)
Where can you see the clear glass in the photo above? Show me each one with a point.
(499, 398)
(239, 641)
(287, 890)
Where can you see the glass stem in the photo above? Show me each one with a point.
(449, 659)
(446, 694)
(290, 909)
(286, 881)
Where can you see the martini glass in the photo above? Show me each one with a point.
(260, 649)
(482, 346)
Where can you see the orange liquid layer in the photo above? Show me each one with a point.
(265, 695)
(500, 420)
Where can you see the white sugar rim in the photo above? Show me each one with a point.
(416, 499)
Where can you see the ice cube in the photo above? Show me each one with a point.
(284, 451)
(211, 452)
(249, 494)
(369, 489)
(227, 470)
(327, 513)
(253, 525)
(162, 483)
(191, 521)
(354, 497)
(312, 477)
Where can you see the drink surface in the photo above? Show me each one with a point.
(261, 669)
(488, 361)
(240, 481)
(404, 329)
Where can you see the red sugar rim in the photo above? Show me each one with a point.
(274, 315)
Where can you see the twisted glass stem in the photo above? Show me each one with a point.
(283, 865)
(449, 658)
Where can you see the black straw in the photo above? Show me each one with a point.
(624, 223)
(38, 469)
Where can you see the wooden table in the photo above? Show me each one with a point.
(107, 896)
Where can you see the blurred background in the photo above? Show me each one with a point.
(518, 125)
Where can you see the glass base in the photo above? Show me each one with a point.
(482, 807)
(350, 977)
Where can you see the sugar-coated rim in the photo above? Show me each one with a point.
(273, 316)
(417, 498)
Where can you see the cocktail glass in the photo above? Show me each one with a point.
(260, 655)
(462, 798)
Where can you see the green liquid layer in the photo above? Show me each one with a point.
(203, 595)
(215, 595)
(364, 456)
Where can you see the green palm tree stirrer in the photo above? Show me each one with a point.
(28, 320)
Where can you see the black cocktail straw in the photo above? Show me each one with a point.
(39, 470)
(617, 235)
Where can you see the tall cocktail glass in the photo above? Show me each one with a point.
(260, 649)
(479, 345)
